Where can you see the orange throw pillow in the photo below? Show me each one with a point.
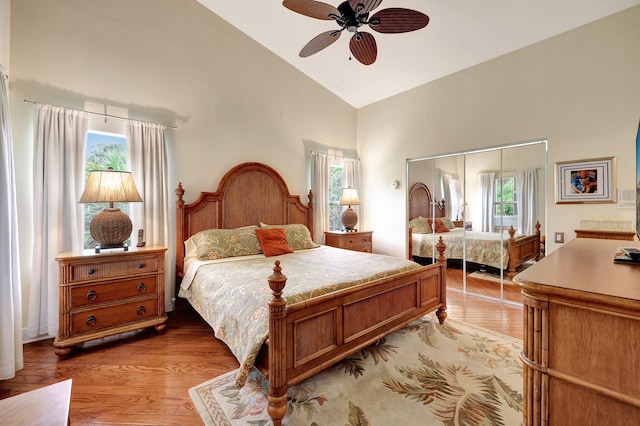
(273, 241)
(439, 226)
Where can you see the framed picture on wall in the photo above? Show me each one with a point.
(586, 181)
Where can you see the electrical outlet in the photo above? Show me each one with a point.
(559, 237)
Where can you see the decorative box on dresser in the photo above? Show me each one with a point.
(356, 241)
(581, 334)
(109, 293)
(605, 235)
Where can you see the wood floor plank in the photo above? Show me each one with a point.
(143, 378)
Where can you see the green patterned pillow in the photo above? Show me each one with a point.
(220, 243)
(298, 235)
(448, 222)
(420, 225)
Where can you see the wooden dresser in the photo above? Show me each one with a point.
(581, 336)
(109, 293)
(605, 235)
(357, 241)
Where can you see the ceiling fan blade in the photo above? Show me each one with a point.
(398, 20)
(363, 47)
(312, 8)
(367, 5)
(319, 42)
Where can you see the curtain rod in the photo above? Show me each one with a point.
(335, 155)
(508, 170)
(26, 101)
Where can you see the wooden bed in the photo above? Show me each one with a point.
(350, 319)
(520, 248)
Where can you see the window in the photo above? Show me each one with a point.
(335, 192)
(103, 150)
(505, 212)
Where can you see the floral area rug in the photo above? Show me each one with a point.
(425, 374)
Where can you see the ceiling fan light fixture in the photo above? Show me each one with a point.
(351, 15)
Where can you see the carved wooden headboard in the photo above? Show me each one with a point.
(247, 194)
(420, 202)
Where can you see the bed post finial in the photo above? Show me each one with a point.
(179, 193)
(310, 197)
(277, 395)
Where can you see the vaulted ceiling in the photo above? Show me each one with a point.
(460, 34)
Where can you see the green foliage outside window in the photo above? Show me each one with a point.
(505, 199)
(335, 192)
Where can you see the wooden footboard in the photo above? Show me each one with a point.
(307, 337)
(522, 249)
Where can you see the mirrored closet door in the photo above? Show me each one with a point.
(489, 206)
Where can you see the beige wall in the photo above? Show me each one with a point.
(175, 62)
(579, 90)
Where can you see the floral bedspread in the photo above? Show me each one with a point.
(485, 248)
(232, 295)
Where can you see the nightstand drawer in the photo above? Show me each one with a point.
(365, 248)
(93, 271)
(350, 240)
(98, 293)
(109, 316)
(356, 241)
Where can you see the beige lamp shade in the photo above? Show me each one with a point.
(111, 227)
(349, 197)
(349, 217)
(110, 186)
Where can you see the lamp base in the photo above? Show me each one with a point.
(122, 246)
(111, 228)
(349, 220)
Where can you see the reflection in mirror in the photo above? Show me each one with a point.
(485, 204)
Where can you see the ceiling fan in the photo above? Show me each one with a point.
(352, 15)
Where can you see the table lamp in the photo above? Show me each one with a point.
(111, 227)
(349, 217)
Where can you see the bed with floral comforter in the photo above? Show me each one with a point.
(232, 294)
(483, 248)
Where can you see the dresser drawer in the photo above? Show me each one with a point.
(102, 292)
(109, 316)
(93, 271)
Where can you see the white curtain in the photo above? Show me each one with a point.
(10, 294)
(486, 189)
(527, 200)
(60, 138)
(445, 187)
(320, 172)
(351, 178)
(147, 157)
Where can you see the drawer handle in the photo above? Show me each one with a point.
(91, 296)
(92, 271)
(142, 310)
(91, 320)
(350, 241)
(140, 265)
(141, 288)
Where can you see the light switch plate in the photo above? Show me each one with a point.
(559, 237)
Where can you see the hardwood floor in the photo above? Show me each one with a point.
(143, 378)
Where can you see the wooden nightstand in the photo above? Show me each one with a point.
(468, 225)
(356, 241)
(109, 293)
